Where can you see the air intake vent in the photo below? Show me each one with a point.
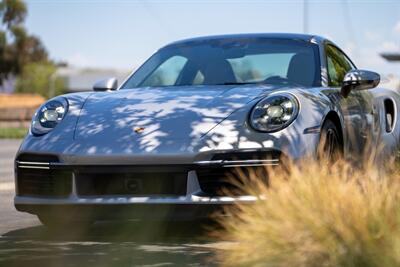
(134, 184)
(44, 183)
(37, 158)
(390, 115)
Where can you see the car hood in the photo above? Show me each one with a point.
(147, 118)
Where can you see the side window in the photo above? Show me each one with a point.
(338, 65)
(167, 73)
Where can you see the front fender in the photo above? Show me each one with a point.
(62, 135)
(299, 139)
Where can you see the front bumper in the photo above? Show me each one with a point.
(141, 211)
(44, 184)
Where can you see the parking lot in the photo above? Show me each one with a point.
(25, 242)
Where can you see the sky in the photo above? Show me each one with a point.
(122, 34)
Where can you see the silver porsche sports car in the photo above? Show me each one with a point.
(161, 144)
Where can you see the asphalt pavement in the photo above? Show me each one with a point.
(25, 242)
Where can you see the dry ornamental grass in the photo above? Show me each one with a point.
(317, 215)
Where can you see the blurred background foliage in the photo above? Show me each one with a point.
(23, 55)
(40, 78)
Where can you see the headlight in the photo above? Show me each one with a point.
(274, 112)
(49, 116)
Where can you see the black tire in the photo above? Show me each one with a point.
(55, 223)
(331, 144)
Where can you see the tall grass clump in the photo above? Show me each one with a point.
(317, 215)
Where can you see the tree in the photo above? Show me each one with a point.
(17, 47)
(13, 12)
(39, 78)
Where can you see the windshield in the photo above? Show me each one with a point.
(230, 61)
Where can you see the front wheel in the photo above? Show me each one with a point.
(330, 145)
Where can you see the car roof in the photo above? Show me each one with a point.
(294, 36)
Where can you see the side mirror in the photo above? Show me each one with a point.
(359, 80)
(106, 85)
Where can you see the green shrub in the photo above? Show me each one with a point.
(40, 78)
(13, 133)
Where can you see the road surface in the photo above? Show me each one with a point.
(25, 242)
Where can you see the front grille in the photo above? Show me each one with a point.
(231, 180)
(248, 155)
(35, 178)
(44, 183)
(135, 184)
